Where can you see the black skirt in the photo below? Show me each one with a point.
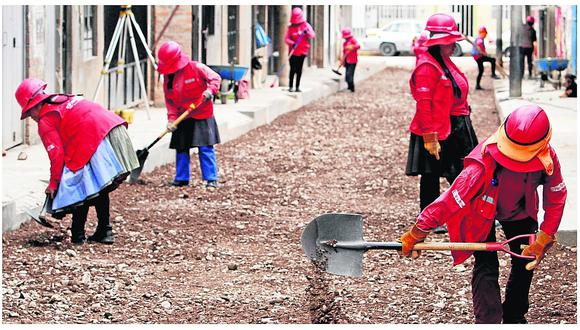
(195, 133)
(459, 144)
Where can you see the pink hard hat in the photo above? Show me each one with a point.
(443, 30)
(346, 32)
(530, 19)
(297, 16)
(29, 93)
(483, 29)
(522, 141)
(171, 58)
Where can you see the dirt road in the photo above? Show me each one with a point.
(187, 255)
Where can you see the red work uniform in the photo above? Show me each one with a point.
(189, 84)
(71, 128)
(293, 34)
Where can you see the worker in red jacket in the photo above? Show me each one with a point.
(297, 38)
(480, 56)
(89, 150)
(188, 83)
(441, 130)
(350, 49)
(499, 182)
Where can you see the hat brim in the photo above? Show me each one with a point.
(34, 102)
(531, 166)
(451, 38)
(173, 67)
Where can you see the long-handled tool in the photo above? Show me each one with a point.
(142, 154)
(341, 64)
(334, 242)
(292, 49)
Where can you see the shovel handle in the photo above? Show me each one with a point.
(175, 123)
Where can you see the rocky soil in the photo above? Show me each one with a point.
(188, 255)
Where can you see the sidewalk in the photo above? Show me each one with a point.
(562, 113)
(24, 181)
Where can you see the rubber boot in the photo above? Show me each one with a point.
(103, 235)
(79, 217)
(104, 232)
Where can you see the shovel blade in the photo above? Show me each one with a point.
(38, 214)
(334, 227)
(141, 156)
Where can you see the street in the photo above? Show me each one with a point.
(189, 255)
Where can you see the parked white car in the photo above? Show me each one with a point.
(397, 37)
(394, 38)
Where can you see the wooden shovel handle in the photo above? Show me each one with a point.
(452, 246)
(180, 118)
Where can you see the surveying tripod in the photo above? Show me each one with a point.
(125, 24)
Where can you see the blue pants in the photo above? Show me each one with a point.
(207, 162)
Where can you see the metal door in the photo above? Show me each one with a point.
(12, 73)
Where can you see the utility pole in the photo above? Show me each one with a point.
(498, 39)
(515, 54)
(283, 20)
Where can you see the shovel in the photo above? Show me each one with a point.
(142, 154)
(38, 214)
(334, 243)
(340, 65)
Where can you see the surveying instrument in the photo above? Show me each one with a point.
(124, 28)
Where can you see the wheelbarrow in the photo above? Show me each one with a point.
(334, 243)
(231, 76)
(546, 65)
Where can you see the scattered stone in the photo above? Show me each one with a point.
(166, 304)
(22, 156)
(71, 253)
(232, 267)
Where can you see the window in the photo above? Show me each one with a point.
(89, 30)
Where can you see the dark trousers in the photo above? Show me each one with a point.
(480, 62)
(296, 63)
(349, 75)
(526, 53)
(487, 305)
(79, 215)
(429, 189)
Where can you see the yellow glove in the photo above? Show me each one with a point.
(410, 238)
(538, 249)
(431, 144)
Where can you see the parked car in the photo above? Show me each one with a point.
(394, 38)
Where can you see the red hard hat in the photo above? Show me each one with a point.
(29, 93)
(171, 58)
(530, 19)
(346, 32)
(523, 140)
(442, 23)
(483, 30)
(297, 16)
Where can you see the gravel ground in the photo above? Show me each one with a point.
(187, 255)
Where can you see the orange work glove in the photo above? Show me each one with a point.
(538, 249)
(431, 144)
(409, 239)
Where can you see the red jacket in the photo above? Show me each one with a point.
(434, 95)
(71, 129)
(293, 34)
(350, 56)
(469, 206)
(188, 86)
